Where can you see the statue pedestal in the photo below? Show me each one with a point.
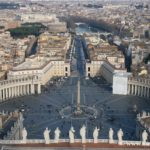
(95, 141)
(24, 141)
(83, 141)
(111, 141)
(47, 142)
(120, 143)
(143, 143)
(71, 141)
(56, 141)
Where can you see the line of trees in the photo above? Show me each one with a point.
(9, 5)
(99, 24)
(27, 29)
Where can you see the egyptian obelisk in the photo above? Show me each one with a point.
(78, 110)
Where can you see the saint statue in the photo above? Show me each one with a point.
(144, 137)
(46, 136)
(24, 135)
(120, 135)
(95, 134)
(57, 135)
(83, 134)
(111, 133)
(71, 134)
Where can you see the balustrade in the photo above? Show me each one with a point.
(139, 87)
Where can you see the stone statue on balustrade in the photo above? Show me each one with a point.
(120, 135)
(111, 133)
(57, 135)
(46, 136)
(24, 135)
(71, 134)
(83, 134)
(96, 134)
(144, 114)
(144, 137)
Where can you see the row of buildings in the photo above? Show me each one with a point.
(12, 51)
(49, 61)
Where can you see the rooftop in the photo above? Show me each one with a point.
(35, 62)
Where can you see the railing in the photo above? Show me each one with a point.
(42, 141)
(19, 80)
(139, 80)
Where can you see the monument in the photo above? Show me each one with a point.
(95, 135)
(71, 135)
(111, 133)
(78, 110)
(120, 135)
(57, 135)
(24, 135)
(83, 134)
(46, 136)
(144, 137)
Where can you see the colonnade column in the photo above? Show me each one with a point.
(132, 89)
(141, 91)
(148, 93)
(4, 96)
(17, 91)
(28, 90)
(20, 87)
(135, 90)
(12, 90)
(39, 89)
(138, 92)
(145, 91)
(1, 95)
(23, 89)
(32, 89)
(6, 92)
(9, 94)
(128, 88)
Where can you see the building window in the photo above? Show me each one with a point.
(66, 68)
(88, 68)
(88, 74)
(66, 74)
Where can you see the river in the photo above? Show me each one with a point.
(85, 28)
(82, 28)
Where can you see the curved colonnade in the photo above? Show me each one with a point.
(139, 87)
(19, 87)
(32, 85)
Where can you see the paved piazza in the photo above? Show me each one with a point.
(41, 111)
